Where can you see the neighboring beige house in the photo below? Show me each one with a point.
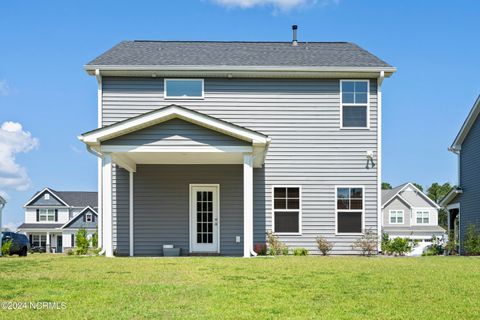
(408, 212)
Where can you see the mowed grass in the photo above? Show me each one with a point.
(238, 288)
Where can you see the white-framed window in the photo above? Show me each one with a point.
(422, 217)
(88, 217)
(354, 104)
(46, 215)
(183, 88)
(349, 209)
(46, 196)
(39, 240)
(396, 216)
(287, 209)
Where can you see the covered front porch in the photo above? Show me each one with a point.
(177, 177)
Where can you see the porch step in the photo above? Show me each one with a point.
(204, 254)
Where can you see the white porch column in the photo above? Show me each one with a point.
(107, 205)
(131, 213)
(100, 201)
(247, 204)
(47, 249)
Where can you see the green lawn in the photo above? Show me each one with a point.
(237, 288)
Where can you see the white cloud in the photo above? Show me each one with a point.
(10, 226)
(76, 150)
(5, 89)
(13, 140)
(282, 5)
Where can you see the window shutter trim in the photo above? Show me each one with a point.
(56, 215)
(38, 215)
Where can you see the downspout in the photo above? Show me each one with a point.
(380, 79)
(98, 76)
(457, 150)
(99, 155)
(2, 205)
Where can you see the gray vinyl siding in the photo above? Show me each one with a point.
(302, 116)
(78, 222)
(120, 208)
(176, 132)
(415, 199)
(161, 205)
(41, 201)
(470, 180)
(396, 204)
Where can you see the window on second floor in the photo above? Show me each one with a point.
(46, 196)
(46, 215)
(88, 217)
(396, 216)
(183, 88)
(423, 217)
(354, 99)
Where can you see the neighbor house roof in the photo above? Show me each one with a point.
(467, 125)
(40, 225)
(208, 54)
(388, 195)
(79, 199)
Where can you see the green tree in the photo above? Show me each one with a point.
(419, 186)
(386, 186)
(437, 192)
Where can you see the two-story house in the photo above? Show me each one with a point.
(208, 145)
(462, 201)
(52, 218)
(410, 213)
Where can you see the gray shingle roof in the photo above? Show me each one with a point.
(40, 225)
(79, 198)
(388, 194)
(215, 53)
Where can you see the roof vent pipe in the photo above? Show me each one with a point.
(294, 31)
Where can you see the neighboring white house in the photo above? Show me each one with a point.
(408, 212)
(52, 218)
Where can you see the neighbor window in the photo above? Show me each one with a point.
(88, 217)
(286, 209)
(396, 216)
(184, 88)
(46, 196)
(47, 215)
(354, 97)
(423, 217)
(349, 209)
(39, 240)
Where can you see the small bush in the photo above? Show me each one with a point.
(471, 243)
(260, 249)
(385, 244)
(69, 252)
(82, 242)
(275, 246)
(451, 246)
(300, 252)
(368, 243)
(435, 249)
(6, 247)
(324, 245)
(401, 246)
(95, 240)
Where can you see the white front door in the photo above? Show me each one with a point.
(204, 214)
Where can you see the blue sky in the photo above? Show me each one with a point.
(44, 44)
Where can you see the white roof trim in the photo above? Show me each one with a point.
(467, 125)
(450, 196)
(95, 137)
(409, 184)
(77, 215)
(41, 192)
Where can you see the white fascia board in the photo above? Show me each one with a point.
(467, 125)
(127, 149)
(96, 137)
(254, 69)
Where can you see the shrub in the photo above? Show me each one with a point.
(324, 245)
(69, 252)
(401, 246)
(6, 247)
(95, 240)
(260, 249)
(435, 249)
(451, 246)
(82, 242)
(471, 243)
(300, 252)
(275, 246)
(385, 244)
(368, 243)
